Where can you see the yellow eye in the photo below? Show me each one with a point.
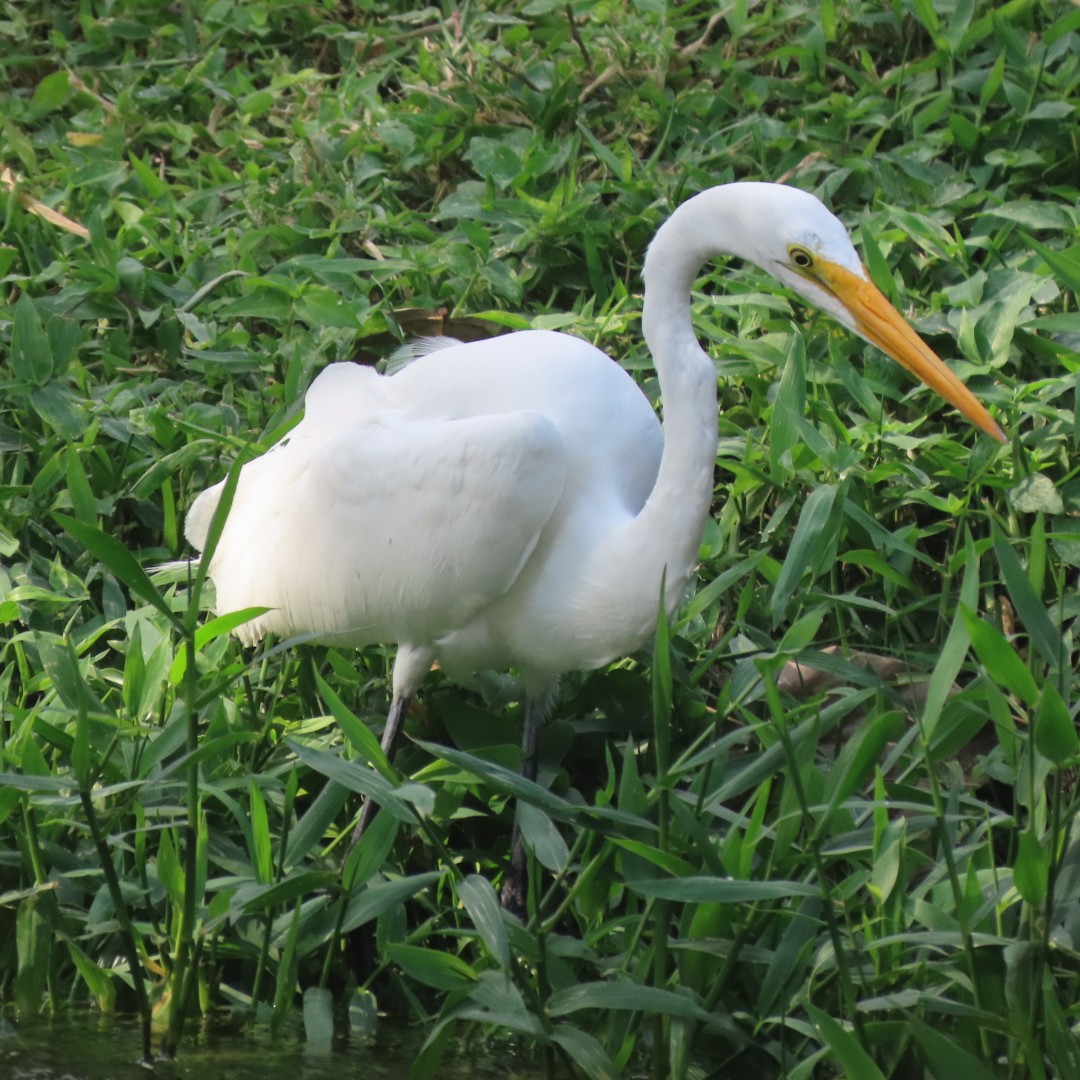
(800, 257)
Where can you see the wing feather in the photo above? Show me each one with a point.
(384, 528)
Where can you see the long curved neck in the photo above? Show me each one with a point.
(664, 538)
(668, 529)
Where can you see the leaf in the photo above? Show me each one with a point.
(699, 890)
(82, 498)
(369, 854)
(98, 982)
(382, 896)
(120, 561)
(510, 782)
(55, 405)
(1036, 493)
(852, 1058)
(290, 888)
(439, 970)
(1064, 1047)
(479, 898)
(1031, 869)
(33, 943)
(1055, 730)
(169, 871)
(625, 995)
(312, 827)
(944, 1059)
(585, 1052)
(1045, 636)
(320, 306)
(318, 1018)
(1065, 536)
(814, 538)
(399, 800)
(1065, 266)
(31, 357)
(50, 94)
(262, 856)
(541, 837)
(1000, 659)
(357, 732)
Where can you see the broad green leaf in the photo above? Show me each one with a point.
(290, 888)
(698, 890)
(434, 968)
(208, 632)
(31, 357)
(1031, 869)
(155, 187)
(358, 733)
(954, 652)
(56, 405)
(371, 902)
(98, 982)
(285, 980)
(788, 408)
(315, 821)
(852, 1058)
(1045, 636)
(120, 561)
(50, 94)
(370, 853)
(674, 865)
(262, 857)
(169, 871)
(1055, 729)
(946, 1060)
(814, 539)
(479, 898)
(999, 658)
(33, 944)
(624, 995)
(510, 782)
(1036, 493)
(318, 1011)
(1064, 265)
(542, 838)
(320, 306)
(1063, 1044)
(82, 498)
(356, 777)
(585, 1051)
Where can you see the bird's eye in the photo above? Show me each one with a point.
(800, 257)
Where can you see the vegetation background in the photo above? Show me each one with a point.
(207, 201)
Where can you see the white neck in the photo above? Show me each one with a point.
(665, 536)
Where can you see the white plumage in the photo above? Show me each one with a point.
(514, 502)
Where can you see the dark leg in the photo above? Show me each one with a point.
(516, 883)
(398, 708)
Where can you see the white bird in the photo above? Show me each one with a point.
(515, 503)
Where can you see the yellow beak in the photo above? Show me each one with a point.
(882, 325)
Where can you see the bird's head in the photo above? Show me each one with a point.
(809, 250)
(789, 233)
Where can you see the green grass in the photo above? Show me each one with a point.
(863, 880)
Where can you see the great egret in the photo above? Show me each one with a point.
(514, 503)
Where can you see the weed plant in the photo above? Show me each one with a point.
(734, 873)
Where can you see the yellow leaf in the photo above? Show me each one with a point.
(34, 206)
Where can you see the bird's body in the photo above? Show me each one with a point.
(514, 503)
(335, 529)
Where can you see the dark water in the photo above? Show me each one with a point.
(89, 1046)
